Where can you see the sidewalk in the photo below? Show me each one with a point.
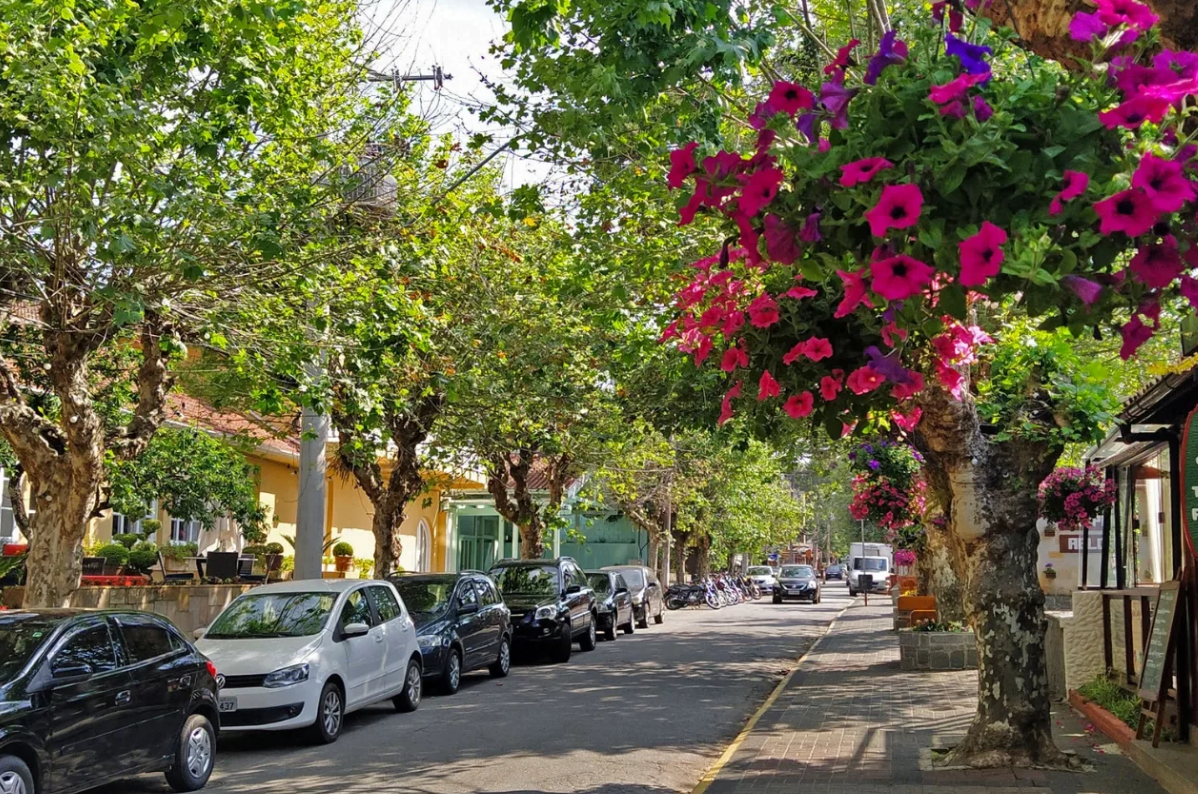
(850, 722)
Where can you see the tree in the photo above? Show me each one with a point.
(160, 160)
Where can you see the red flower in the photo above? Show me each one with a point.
(795, 353)
(1073, 185)
(856, 292)
(1164, 182)
(982, 255)
(859, 171)
(956, 89)
(682, 165)
(912, 387)
(767, 387)
(1157, 265)
(1129, 211)
(899, 277)
(798, 293)
(1189, 290)
(1136, 111)
(734, 357)
(830, 386)
(726, 403)
(898, 208)
(781, 242)
(817, 348)
(1126, 12)
(865, 380)
(799, 405)
(907, 421)
(760, 189)
(790, 98)
(843, 58)
(763, 311)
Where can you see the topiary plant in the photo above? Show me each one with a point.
(113, 553)
(143, 557)
(126, 539)
(343, 549)
(274, 548)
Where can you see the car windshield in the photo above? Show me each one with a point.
(870, 563)
(20, 637)
(526, 579)
(599, 582)
(761, 570)
(798, 572)
(255, 616)
(425, 596)
(634, 577)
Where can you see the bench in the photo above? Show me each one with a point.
(909, 609)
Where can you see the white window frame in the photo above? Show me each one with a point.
(424, 548)
(184, 530)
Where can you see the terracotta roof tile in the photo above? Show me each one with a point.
(274, 434)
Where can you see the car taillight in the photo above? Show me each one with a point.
(211, 668)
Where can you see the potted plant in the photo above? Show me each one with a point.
(1071, 498)
(177, 556)
(143, 557)
(149, 529)
(126, 539)
(364, 567)
(1049, 571)
(274, 557)
(343, 556)
(115, 555)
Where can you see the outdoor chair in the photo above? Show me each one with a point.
(222, 565)
(93, 566)
(185, 576)
(245, 570)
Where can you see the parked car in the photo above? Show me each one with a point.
(762, 576)
(797, 581)
(462, 624)
(552, 605)
(303, 654)
(648, 598)
(614, 602)
(89, 697)
(835, 571)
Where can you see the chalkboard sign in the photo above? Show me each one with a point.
(1153, 684)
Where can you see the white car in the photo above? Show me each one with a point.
(304, 654)
(763, 576)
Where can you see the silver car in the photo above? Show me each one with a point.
(648, 599)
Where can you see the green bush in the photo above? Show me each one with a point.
(343, 549)
(274, 548)
(113, 553)
(179, 551)
(143, 557)
(1114, 698)
(150, 527)
(126, 539)
(257, 550)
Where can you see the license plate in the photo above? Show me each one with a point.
(795, 591)
(227, 705)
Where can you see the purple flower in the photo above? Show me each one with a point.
(810, 232)
(873, 464)
(890, 52)
(806, 125)
(889, 366)
(1089, 291)
(1085, 27)
(971, 55)
(835, 98)
(981, 109)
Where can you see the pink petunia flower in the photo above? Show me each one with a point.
(830, 386)
(799, 405)
(781, 242)
(856, 293)
(790, 98)
(760, 189)
(865, 380)
(682, 165)
(956, 88)
(864, 170)
(1089, 291)
(1073, 185)
(899, 277)
(1134, 112)
(1164, 182)
(823, 145)
(898, 208)
(1129, 211)
(810, 232)
(912, 387)
(982, 255)
(1086, 27)
(907, 421)
(1157, 265)
(795, 353)
(767, 387)
(844, 58)
(817, 348)
(1135, 333)
(726, 402)
(734, 357)
(763, 311)
(1126, 12)
(799, 293)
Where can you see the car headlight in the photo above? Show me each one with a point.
(546, 612)
(429, 640)
(638, 599)
(288, 676)
(610, 603)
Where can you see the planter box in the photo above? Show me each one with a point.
(937, 650)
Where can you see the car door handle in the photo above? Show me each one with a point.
(378, 637)
(123, 698)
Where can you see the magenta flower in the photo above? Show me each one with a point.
(1134, 112)
(830, 386)
(859, 171)
(781, 243)
(864, 380)
(912, 387)
(856, 292)
(981, 109)
(899, 277)
(1086, 27)
(907, 422)
(835, 98)
(799, 405)
(726, 403)
(824, 145)
(955, 88)
(953, 110)
(1134, 333)
(763, 311)
(795, 353)
(790, 98)
(982, 255)
(1157, 265)
(682, 165)
(1164, 182)
(760, 189)
(817, 348)
(734, 357)
(898, 208)
(810, 231)
(1184, 64)
(767, 387)
(1126, 12)
(1189, 290)
(1129, 211)
(844, 58)
(800, 292)
(1073, 185)
(1089, 291)
(891, 51)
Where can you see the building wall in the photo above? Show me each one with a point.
(1063, 550)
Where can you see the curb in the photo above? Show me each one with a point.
(714, 770)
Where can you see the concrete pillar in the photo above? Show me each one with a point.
(313, 494)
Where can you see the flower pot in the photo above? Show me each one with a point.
(1049, 573)
(343, 563)
(112, 568)
(1050, 531)
(273, 562)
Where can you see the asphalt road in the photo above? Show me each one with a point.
(647, 714)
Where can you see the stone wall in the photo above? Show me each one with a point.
(187, 606)
(937, 650)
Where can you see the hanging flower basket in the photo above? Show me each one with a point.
(1072, 498)
(1050, 530)
(1050, 572)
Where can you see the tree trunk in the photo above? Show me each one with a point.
(388, 544)
(65, 499)
(704, 552)
(654, 551)
(532, 540)
(680, 556)
(938, 577)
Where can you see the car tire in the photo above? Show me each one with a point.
(451, 676)
(503, 662)
(628, 627)
(565, 646)
(330, 715)
(609, 633)
(643, 622)
(658, 618)
(195, 756)
(777, 599)
(589, 640)
(413, 688)
(14, 772)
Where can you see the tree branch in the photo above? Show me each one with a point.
(154, 381)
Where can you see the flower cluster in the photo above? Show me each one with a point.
(868, 214)
(887, 488)
(1072, 498)
(904, 558)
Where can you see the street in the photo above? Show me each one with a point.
(646, 714)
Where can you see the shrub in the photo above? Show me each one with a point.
(274, 548)
(179, 551)
(257, 550)
(363, 567)
(143, 557)
(113, 553)
(1118, 701)
(150, 527)
(343, 549)
(126, 539)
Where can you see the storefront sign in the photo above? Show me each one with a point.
(1189, 486)
(1072, 544)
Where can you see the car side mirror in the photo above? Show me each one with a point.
(574, 588)
(199, 633)
(621, 591)
(467, 609)
(355, 629)
(67, 673)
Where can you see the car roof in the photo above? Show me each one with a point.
(549, 562)
(602, 572)
(312, 586)
(624, 568)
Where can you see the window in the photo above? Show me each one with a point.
(91, 647)
(423, 548)
(185, 530)
(8, 526)
(357, 610)
(486, 594)
(145, 639)
(467, 594)
(384, 602)
(273, 615)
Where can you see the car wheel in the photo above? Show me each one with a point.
(503, 662)
(195, 755)
(590, 639)
(15, 777)
(658, 618)
(643, 621)
(565, 646)
(609, 631)
(330, 715)
(413, 688)
(628, 629)
(451, 676)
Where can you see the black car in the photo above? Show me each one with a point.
(462, 624)
(614, 602)
(88, 697)
(834, 572)
(552, 605)
(648, 597)
(797, 581)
